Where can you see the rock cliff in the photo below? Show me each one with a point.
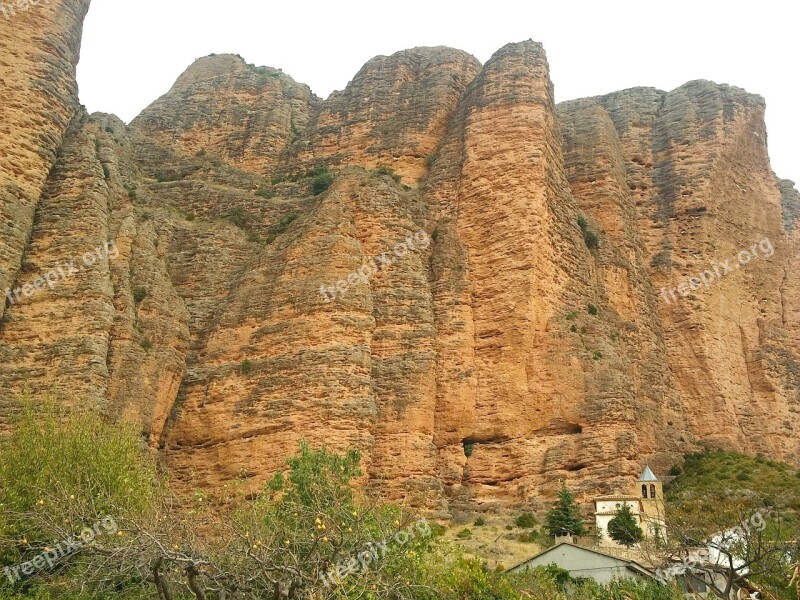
(485, 292)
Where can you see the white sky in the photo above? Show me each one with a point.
(134, 50)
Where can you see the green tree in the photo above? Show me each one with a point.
(564, 517)
(624, 529)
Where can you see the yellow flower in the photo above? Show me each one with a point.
(71, 497)
(40, 503)
(325, 539)
(120, 534)
(397, 522)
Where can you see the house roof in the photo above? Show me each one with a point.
(648, 475)
(616, 497)
(630, 564)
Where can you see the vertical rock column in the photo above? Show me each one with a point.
(39, 97)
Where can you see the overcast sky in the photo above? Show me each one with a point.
(134, 50)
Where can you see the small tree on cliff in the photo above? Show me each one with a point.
(564, 517)
(624, 529)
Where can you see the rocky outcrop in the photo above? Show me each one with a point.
(502, 308)
(246, 115)
(691, 167)
(394, 113)
(40, 45)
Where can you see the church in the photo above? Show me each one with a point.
(646, 503)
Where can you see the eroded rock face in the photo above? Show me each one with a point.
(262, 112)
(511, 332)
(40, 47)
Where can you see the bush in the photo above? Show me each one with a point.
(387, 171)
(429, 160)
(526, 521)
(321, 183)
(591, 240)
(280, 227)
(246, 367)
(597, 355)
(265, 193)
(592, 309)
(147, 344)
(583, 223)
(479, 522)
(237, 216)
(139, 294)
(468, 448)
(464, 534)
(106, 171)
(61, 463)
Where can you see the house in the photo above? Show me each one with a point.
(586, 563)
(646, 503)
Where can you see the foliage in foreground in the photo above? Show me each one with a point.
(309, 534)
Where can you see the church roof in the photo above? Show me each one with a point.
(648, 475)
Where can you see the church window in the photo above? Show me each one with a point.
(644, 490)
(652, 490)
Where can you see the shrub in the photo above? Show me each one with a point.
(60, 463)
(591, 240)
(597, 355)
(317, 171)
(147, 344)
(237, 216)
(429, 160)
(139, 294)
(200, 153)
(464, 534)
(106, 171)
(583, 223)
(479, 522)
(383, 170)
(435, 235)
(246, 367)
(321, 183)
(675, 471)
(265, 193)
(572, 315)
(280, 227)
(592, 309)
(526, 521)
(468, 448)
